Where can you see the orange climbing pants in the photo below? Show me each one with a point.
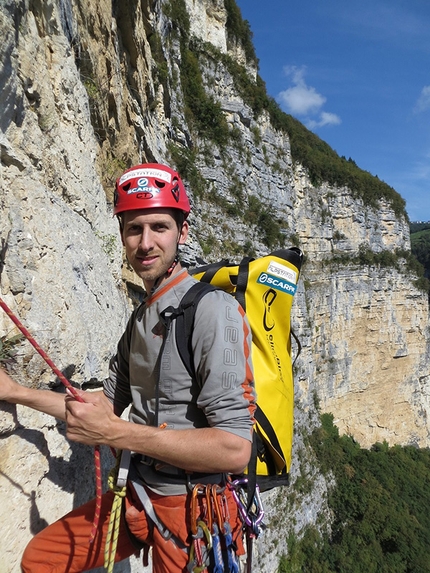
(64, 547)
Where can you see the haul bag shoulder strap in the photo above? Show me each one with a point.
(185, 323)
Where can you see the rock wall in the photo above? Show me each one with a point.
(89, 88)
(369, 354)
(61, 265)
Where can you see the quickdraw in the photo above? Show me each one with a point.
(200, 549)
(201, 535)
(232, 560)
(216, 527)
(212, 548)
(253, 517)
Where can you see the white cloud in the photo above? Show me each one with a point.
(326, 118)
(303, 100)
(423, 102)
(300, 99)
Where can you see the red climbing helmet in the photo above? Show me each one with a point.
(150, 185)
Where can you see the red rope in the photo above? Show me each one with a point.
(74, 393)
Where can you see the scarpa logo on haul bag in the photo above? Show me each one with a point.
(277, 283)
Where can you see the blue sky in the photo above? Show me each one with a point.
(357, 73)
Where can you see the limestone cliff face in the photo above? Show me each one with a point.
(369, 354)
(89, 88)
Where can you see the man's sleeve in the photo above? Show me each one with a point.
(222, 353)
(117, 386)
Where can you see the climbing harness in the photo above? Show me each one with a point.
(75, 395)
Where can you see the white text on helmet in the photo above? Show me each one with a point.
(154, 173)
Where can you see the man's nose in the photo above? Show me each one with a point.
(146, 240)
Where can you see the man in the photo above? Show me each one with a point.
(181, 432)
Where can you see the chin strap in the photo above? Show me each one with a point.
(173, 265)
(167, 273)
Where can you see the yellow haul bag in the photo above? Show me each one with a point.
(265, 287)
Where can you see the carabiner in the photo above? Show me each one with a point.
(253, 517)
(194, 507)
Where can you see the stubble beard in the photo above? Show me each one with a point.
(153, 275)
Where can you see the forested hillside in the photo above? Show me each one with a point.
(420, 244)
(381, 522)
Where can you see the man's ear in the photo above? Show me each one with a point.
(183, 233)
(121, 228)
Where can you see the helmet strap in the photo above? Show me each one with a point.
(173, 265)
(176, 259)
(167, 273)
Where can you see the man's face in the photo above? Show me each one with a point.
(151, 237)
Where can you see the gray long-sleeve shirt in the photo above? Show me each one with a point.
(221, 342)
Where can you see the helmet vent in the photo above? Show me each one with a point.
(175, 192)
(160, 184)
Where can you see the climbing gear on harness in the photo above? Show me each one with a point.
(149, 186)
(212, 549)
(232, 559)
(251, 513)
(75, 395)
(217, 525)
(251, 516)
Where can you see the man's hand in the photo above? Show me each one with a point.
(88, 422)
(9, 389)
(51, 403)
(93, 422)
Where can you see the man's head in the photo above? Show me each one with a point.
(152, 207)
